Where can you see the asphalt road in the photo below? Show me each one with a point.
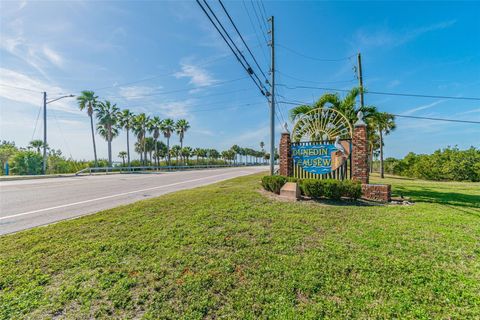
(26, 204)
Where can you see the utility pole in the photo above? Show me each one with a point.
(360, 79)
(44, 168)
(272, 97)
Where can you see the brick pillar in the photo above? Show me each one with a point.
(360, 152)
(286, 161)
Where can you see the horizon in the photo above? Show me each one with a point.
(165, 59)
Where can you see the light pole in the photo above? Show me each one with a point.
(45, 102)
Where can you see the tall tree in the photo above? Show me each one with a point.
(88, 100)
(186, 152)
(123, 155)
(36, 144)
(181, 127)
(176, 152)
(154, 126)
(167, 127)
(140, 130)
(126, 121)
(384, 123)
(107, 116)
(346, 105)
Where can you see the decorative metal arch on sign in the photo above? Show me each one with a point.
(322, 124)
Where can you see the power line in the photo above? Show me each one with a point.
(384, 93)
(309, 81)
(241, 37)
(36, 122)
(181, 90)
(435, 119)
(256, 33)
(262, 15)
(311, 57)
(163, 75)
(61, 132)
(247, 67)
(19, 88)
(402, 116)
(263, 31)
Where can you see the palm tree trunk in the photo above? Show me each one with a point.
(93, 140)
(144, 150)
(156, 147)
(371, 160)
(168, 151)
(109, 152)
(381, 154)
(128, 149)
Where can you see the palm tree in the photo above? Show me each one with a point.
(154, 126)
(150, 147)
(167, 127)
(384, 123)
(186, 153)
(175, 151)
(198, 153)
(140, 129)
(181, 127)
(37, 144)
(107, 116)
(236, 148)
(88, 100)
(347, 106)
(123, 155)
(126, 121)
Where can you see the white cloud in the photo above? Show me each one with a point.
(198, 76)
(19, 87)
(175, 109)
(53, 56)
(469, 111)
(388, 38)
(135, 92)
(422, 107)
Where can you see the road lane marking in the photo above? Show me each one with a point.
(115, 195)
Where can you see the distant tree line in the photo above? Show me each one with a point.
(28, 160)
(450, 163)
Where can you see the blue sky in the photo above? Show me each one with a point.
(135, 53)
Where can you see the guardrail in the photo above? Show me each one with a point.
(141, 169)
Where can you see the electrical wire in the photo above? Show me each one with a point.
(255, 31)
(384, 93)
(435, 119)
(61, 132)
(247, 69)
(400, 115)
(310, 57)
(181, 90)
(263, 31)
(36, 122)
(243, 40)
(309, 81)
(19, 88)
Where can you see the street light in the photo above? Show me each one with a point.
(45, 102)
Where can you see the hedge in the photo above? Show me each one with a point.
(316, 188)
(273, 183)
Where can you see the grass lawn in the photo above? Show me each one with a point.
(227, 251)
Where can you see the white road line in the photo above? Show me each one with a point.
(113, 196)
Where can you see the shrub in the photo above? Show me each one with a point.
(273, 183)
(27, 163)
(313, 188)
(333, 189)
(351, 189)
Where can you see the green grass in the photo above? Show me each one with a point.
(227, 251)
